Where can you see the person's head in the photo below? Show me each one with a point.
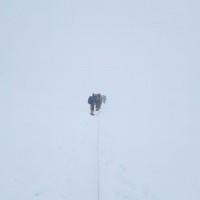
(93, 94)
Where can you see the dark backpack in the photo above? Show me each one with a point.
(90, 100)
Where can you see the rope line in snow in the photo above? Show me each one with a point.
(98, 167)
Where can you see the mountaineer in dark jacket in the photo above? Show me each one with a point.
(92, 102)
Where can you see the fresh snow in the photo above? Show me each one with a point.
(143, 56)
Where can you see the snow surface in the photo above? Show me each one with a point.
(144, 56)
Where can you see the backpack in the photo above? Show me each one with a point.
(90, 100)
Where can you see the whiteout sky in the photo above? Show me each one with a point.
(144, 55)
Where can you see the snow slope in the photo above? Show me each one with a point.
(147, 148)
(143, 57)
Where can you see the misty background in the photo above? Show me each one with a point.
(143, 55)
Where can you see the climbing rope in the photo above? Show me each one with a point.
(98, 167)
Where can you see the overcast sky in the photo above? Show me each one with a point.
(144, 55)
